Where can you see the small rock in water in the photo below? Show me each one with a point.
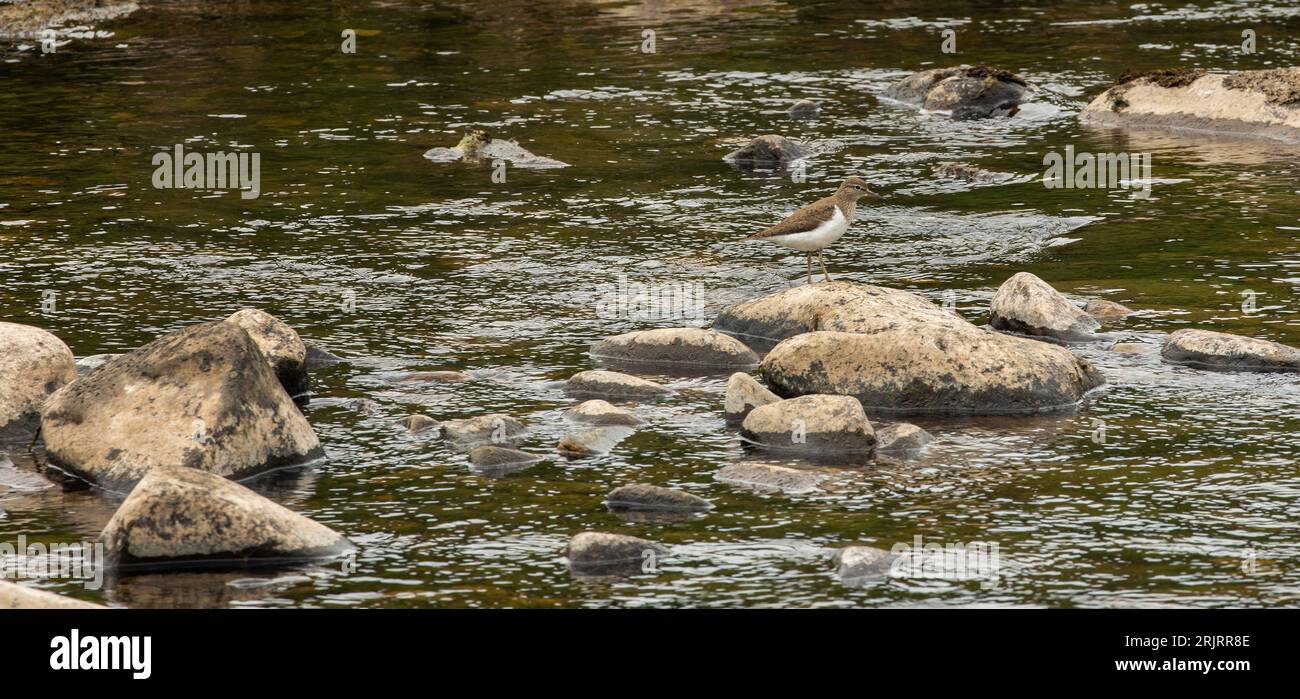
(1206, 349)
(496, 429)
(178, 517)
(1106, 310)
(766, 151)
(611, 384)
(318, 357)
(902, 436)
(813, 424)
(1028, 305)
(500, 460)
(1132, 348)
(599, 412)
(641, 496)
(744, 393)
(85, 365)
(593, 442)
(965, 92)
(971, 173)
(419, 423)
(15, 596)
(435, 376)
(362, 406)
(863, 565)
(804, 109)
(676, 346)
(771, 478)
(598, 553)
(283, 348)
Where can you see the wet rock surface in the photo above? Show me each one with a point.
(1104, 310)
(813, 424)
(419, 423)
(602, 413)
(85, 365)
(593, 442)
(280, 343)
(966, 92)
(1206, 349)
(612, 384)
(481, 147)
(318, 357)
(1028, 305)
(495, 460)
(599, 553)
(971, 173)
(203, 397)
(16, 596)
(676, 346)
(744, 393)
(641, 496)
(771, 478)
(766, 151)
(902, 437)
(804, 109)
(182, 517)
(862, 565)
(33, 365)
(434, 377)
(29, 18)
(496, 429)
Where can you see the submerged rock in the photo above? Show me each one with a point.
(599, 412)
(813, 424)
(85, 365)
(202, 397)
(318, 357)
(182, 517)
(593, 442)
(804, 109)
(1133, 348)
(362, 406)
(15, 596)
(419, 423)
(971, 173)
(479, 146)
(766, 151)
(1101, 309)
(496, 429)
(862, 565)
(771, 478)
(1256, 103)
(676, 346)
(33, 365)
(1206, 349)
(28, 19)
(613, 554)
(897, 352)
(612, 384)
(500, 460)
(640, 496)
(1028, 305)
(435, 377)
(966, 92)
(744, 393)
(902, 437)
(281, 345)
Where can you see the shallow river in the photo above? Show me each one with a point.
(1172, 487)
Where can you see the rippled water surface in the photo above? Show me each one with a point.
(1192, 498)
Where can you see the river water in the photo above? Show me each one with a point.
(1172, 487)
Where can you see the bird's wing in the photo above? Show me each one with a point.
(801, 221)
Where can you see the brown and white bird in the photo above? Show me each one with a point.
(814, 227)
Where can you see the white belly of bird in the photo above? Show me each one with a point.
(818, 238)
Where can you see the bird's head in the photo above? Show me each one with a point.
(857, 187)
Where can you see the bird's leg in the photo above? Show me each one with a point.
(823, 264)
(809, 258)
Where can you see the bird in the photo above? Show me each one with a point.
(814, 227)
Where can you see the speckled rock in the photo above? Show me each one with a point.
(813, 424)
(33, 365)
(1101, 309)
(676, 346)
(744, 393)
(281, 345)
(495, 429)
(609, 554)
(611, 384)
(862, 565)
(1028, 305)
(898, 352)
(419, 423)
(203, 397)
(1254, 103)
(182, 517)
(641, 496)
(1206, 349)
(599, 412)
(15, 596)
(766, 151)
(771, 478)
(500, 460)
(965, 92)
(902, 437)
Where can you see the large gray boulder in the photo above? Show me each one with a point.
(1206, 349)
(699, 347)
(33, 365)
(280, 343)
(812, 424)
(966, 92)
(15, 596)
(203, 397)
(1028, 305)
(898, 352)
(1255, 103)
(183, 517)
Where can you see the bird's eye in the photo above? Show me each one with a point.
(857, 186)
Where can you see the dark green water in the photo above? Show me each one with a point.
(449, 270)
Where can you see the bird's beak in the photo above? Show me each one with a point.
(874, 195)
